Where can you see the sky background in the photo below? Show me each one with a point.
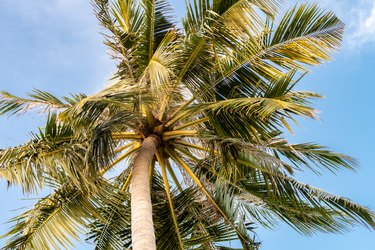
(55, 46)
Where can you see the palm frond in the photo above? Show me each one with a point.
(260, 108)
(157, 24)
(27, 165)
(162, 65)
(269, 6)
(255, 112)
(310, 43)
(55, 149)
(226, 200)
(123, 19)
(317, 34)
(195, 15)
(312, 155)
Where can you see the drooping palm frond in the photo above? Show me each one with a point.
(58, 220)
(311, 210)
(27, 165)
(227, 201)
(312, 155)
(199, 225)
(38, 100)
(54, 222)
(290, 157)
(267, 195)
(57, 148)
(340, 211)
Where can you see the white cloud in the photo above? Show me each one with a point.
(359, 17)
(364, 29)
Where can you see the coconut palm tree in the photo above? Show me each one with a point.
(186, 148)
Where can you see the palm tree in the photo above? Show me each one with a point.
(185, 149)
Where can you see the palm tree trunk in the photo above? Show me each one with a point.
(143, 235)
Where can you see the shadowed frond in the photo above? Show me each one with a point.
(114, 231)
(157, 24)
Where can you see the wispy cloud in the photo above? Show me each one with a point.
(359, 18)
(363, 31)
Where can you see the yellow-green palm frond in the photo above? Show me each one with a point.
(270, 7)
(162, 66)
(54, 222)
(284, 47)
(37, 100)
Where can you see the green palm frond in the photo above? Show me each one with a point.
(255, 113)
(227, 201)
(312, 156)
(57, 148)
(199, 225)
(122, 19)
(128, 15)
(195, 15)
(301, 156)
(97, 108)
(268, 195)
(59, 219)
(260, 108)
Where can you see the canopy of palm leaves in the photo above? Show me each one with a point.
(219, 94)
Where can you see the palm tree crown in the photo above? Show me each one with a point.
(185, 149)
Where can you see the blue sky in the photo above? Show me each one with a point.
(55, 46)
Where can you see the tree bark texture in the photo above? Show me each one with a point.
(143, 235)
